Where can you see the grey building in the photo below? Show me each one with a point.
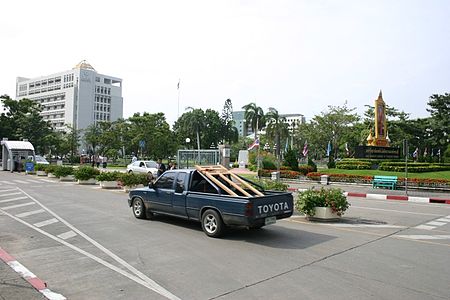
(78, 97)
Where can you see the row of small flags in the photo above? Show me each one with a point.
(425, 152)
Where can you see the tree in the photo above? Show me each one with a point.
(92, 137)
(229, 132)
(254, 115)
(440, 119)
(22, 120)
(276, 129)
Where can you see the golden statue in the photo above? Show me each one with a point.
(381, 137)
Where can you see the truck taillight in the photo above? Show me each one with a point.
(249, 209)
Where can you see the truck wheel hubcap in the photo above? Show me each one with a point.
(137, 208)
(210, 223)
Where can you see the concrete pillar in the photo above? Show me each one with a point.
(224, 154)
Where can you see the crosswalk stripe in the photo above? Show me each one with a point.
(48, 180)
(10, 190)
(29, 213)
(33, 181)
(13, 199)
(443, 220)
(425, 227)
(46, 222)
(7, 182)
(425, 237)
(20, 181)
(434, 223)
(10, 194)
(67, 235)
(18, 205)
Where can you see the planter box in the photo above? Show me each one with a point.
(109, 185)
(51, 175)
(41, 173)
(126, 189)
(67, 178)
(324, 214)
(90, 181)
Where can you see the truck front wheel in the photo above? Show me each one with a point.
(212, 223)
(139, 208)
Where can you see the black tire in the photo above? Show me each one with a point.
(139, 208)
(130, 172)
(212, 223)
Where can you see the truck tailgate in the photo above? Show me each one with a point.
(273, 204)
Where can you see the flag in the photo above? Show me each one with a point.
(305, 149)
(432, 152)
(439, 153)
(329, 148)
(346, 148)
(416, 153)
(178, 85)
(286, 147)
(253, 145)
(425, 153)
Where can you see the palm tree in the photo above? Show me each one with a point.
(254, 115)
(277, 128)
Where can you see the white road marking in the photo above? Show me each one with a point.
(13, 199)
(425, 227)
(20, 181)
(418, 199)
(425, 237)
(18, 205)
(33, 181)
(29, 213)
(443, 220)
(364, 225)
(67, 235)
(46, 222)
(138, 276)
(48, 180)
(434, 223)
(397, 211)
(10, 190)
(7, 182)
(10, 194)
(52, 295)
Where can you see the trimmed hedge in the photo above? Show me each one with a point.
(283, 173)
(415, 167)
(86, 173)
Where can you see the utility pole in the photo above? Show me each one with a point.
(406, 152)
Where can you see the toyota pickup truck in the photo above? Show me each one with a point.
(192, 195)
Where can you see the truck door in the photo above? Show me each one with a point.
(179, 197)
(164, 190)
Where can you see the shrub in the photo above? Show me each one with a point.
(305, 169)
(268, 164)
(333, 198)
(312, 164)
(50, 169)
(273, 185)
(40, 167)
(132, 179)
(290, 160)
(331, 163)
(108, 176)
(62, 171)
(86, 173)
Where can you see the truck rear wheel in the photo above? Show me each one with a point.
(212, 223)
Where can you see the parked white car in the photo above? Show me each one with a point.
(40, 160)
(143, 166)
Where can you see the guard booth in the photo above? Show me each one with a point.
(15, 153)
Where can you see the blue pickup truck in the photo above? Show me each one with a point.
(192, 195)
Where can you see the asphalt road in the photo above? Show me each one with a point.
(86, 244)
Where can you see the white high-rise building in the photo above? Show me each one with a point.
(78, 97)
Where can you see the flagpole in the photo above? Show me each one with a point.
(178, 88)
(257, 155)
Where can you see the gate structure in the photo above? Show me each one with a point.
(189, 158)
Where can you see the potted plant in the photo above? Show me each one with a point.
(323, 204)
(40, 169)
(108, 180)
(86, 175)
(64, 173)
(50, 170)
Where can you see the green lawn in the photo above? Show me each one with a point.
(434, 175)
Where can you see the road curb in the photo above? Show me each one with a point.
(388, 197)
(26, 274)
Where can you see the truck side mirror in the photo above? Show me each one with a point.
(151, 185)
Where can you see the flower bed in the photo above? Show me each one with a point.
(283, 173)
(420, 182)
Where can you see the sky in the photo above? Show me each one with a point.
(295, 56)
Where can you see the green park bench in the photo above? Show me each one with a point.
(384, 181)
